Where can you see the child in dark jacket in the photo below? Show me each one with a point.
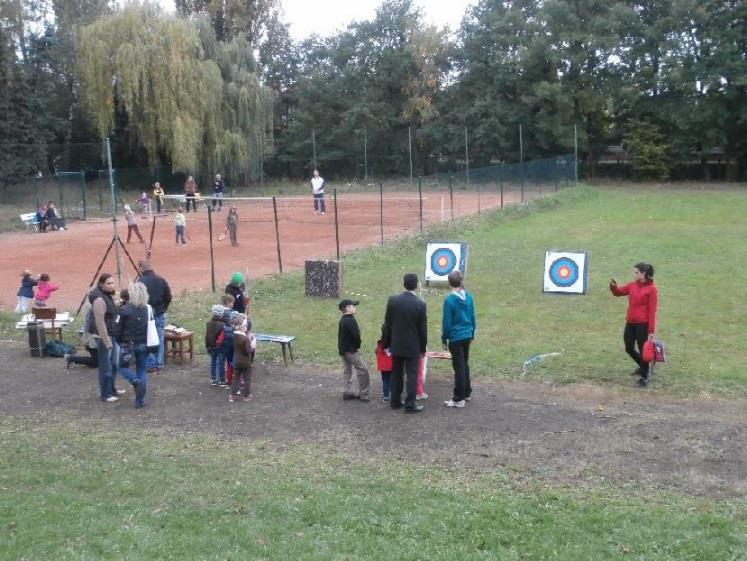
(26, 292)
(213, 329)
(227, 344)
(348, 345)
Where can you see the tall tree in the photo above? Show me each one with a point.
(201, 114)
(231, 18)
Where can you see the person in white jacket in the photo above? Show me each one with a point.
(317, 188)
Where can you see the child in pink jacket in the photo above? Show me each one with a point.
(44, 289)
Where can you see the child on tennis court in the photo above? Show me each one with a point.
(44, 290)
(181, 223)
(132, 224)
(232, 225)
(26, 292)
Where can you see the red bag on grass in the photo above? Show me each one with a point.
(648, 354)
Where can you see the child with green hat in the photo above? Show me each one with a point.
(237, 288)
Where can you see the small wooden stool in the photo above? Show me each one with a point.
(175, 346)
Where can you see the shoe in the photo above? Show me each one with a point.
(139, 405)
(395, 405)
(120, 392)
(636, 372)
(468, 398)
(452, 403)
(348, 396)
(365, 399)
(322, 213)
(248, 397)
(222, 385)
(414, 409)
(151, 369)
(231, 398)
(316, 212)
(111, 399)
(421, 396)
(642, 382)
(69, 361)
(385, 399)
(214, 383)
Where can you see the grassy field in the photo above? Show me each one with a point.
(695, 240)
(68, 494)
(72, 489)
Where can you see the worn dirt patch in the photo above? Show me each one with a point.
(569, 435)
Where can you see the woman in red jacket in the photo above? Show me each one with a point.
(640, 319)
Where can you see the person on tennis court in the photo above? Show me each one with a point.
(218, 186)
(232, 225)
(190, 192)
(317, 189)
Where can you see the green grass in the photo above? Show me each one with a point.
(695, 240)
(69, 493)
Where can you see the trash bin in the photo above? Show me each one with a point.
(37, 338)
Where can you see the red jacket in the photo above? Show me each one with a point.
(383, 360)
(642, 301)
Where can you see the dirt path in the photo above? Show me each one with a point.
(570, 435)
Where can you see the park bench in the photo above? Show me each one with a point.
(283, 340)
(29, 219)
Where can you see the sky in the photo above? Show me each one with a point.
(326, 17)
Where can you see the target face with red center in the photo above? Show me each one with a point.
(441, 258)
(443, 261)
(565, 272)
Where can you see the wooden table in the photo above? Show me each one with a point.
(175, 345)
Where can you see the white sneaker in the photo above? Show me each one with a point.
(452, 403)
(112, 399)
(121, 392)
(421, 396)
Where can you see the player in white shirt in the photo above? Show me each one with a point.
(317, 188)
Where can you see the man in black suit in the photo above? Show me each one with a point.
(405, 334)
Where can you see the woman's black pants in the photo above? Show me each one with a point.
(635, 335)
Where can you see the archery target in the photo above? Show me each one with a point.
(443, 257)
(565, 272)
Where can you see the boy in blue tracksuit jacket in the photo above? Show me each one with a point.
(458, 330)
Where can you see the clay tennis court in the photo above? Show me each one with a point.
(72, 257)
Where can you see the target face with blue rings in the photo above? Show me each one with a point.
(563, 272)
(443, 261)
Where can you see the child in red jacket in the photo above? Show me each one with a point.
(640, 319)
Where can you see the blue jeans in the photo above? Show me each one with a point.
(217, 365)
(153, 360)
(140, 352)
(108, 366)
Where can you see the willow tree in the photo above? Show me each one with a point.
(168, 79)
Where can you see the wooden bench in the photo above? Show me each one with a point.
(174, 345)
(283, 340)
(29, 219)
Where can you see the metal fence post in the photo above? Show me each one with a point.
(381, 210)
(337, 224)
(451, 195)
(277, 232)
(420, 200)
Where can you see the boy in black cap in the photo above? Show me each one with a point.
(349, 344)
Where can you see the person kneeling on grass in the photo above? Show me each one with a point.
(348, 345)
(244, 345)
